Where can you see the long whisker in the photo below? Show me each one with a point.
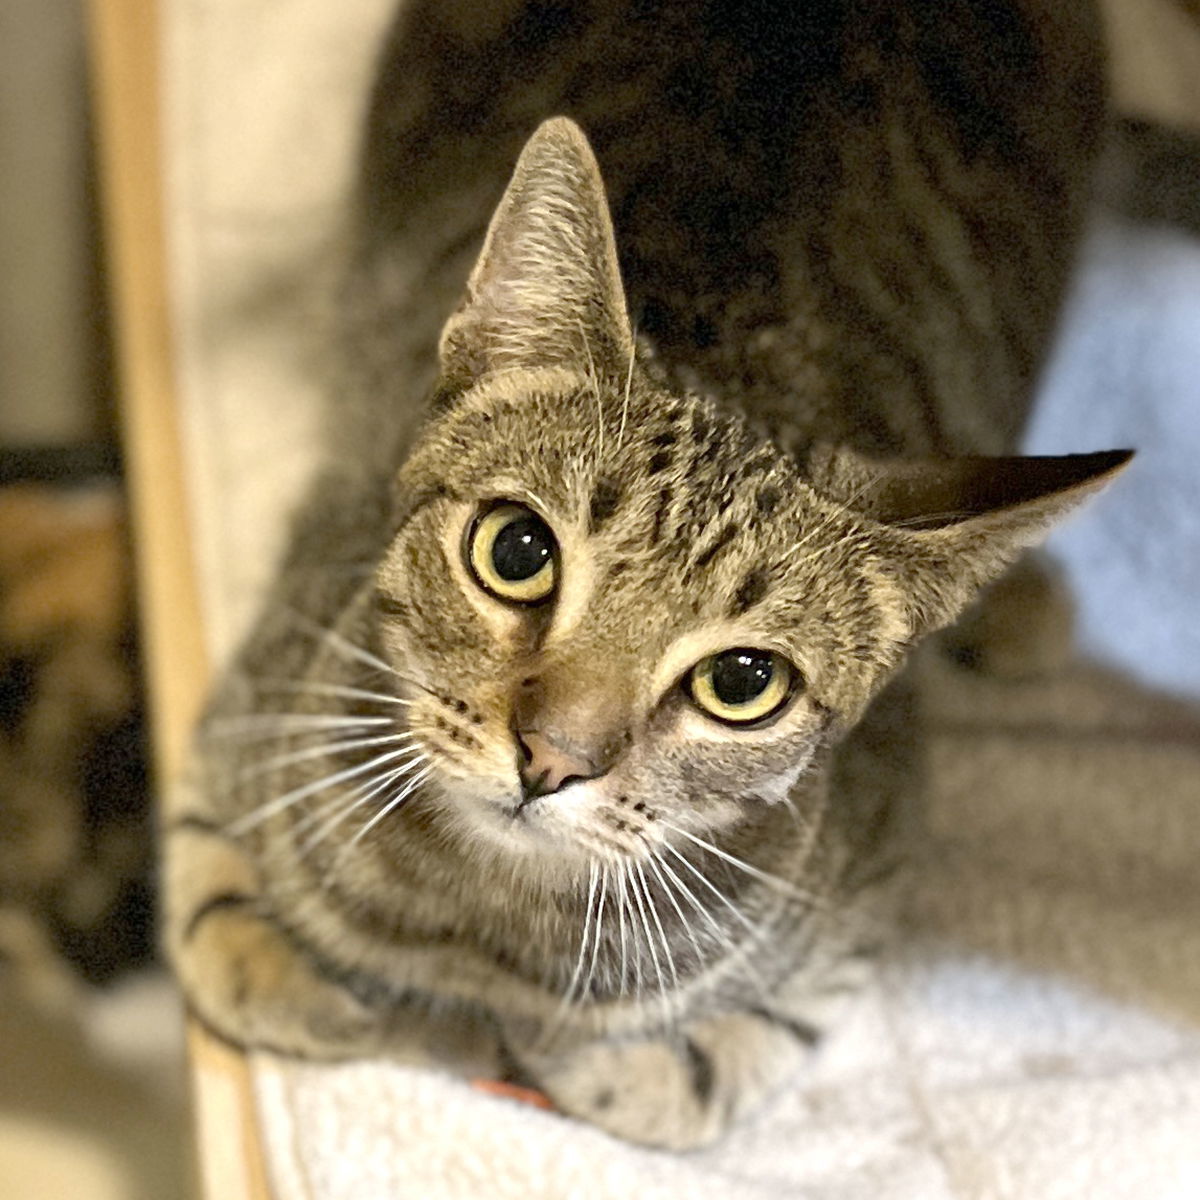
(822, 551)
(584, 941)
(587, 349)
(267, 725)
(394, 803)
(591, 975)
(621, 909)
(311, 752)
(753, 930)
(270, 683)
(668, 954)
(637, 898)
(692, 899)
(639, 977)
(832, 515)
(341, 644)
(357, 798)
(628, 385)
(314, 816)
(340, 806)
(772, 881)
(659, 926)
(654, 861)
(264, 812)
(736, 950)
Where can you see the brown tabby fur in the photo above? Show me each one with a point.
(841, 231)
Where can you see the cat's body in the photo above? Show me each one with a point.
(843, 217)
(848, 226)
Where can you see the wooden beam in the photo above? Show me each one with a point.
(125, 50)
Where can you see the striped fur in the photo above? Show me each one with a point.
(840, 231)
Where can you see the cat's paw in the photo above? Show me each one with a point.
(242, 974)
(246, 981)
(677, 1094)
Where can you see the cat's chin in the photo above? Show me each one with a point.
(549, 831)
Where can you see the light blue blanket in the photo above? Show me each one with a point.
(1126, 372)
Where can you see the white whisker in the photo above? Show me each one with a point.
(267, 725)
(358, 798)
(621, 907)
(654, 861)
(637, 899)
(733, 948)
(345, 647)
(832, 516)
(322, 751)
(591, 975)
(692, 899)
(754, 931)
(659, 926)
(273, 684)
(773, 881)
(669, 998)
(265, 811)
(821, 551)
(341, 803)
(595, 379)
(392, 804)
(568, 996)
(628, 385)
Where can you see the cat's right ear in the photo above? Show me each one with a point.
(546, 290)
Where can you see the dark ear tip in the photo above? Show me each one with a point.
(1076, 475)
(1104, 463)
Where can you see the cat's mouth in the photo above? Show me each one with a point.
(524, 803)
(518, 820)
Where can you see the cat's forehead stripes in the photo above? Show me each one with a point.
(712, 549)
(751, 589)
(606, 497)
(685, 511)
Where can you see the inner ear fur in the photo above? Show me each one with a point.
(546, 289)
(960, 521)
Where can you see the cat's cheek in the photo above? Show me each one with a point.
(776, 789)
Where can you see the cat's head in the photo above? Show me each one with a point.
(625, 611)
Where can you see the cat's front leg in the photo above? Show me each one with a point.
(243, 976)
(680, 1092)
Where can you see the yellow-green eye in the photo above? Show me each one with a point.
(513, 554)
(742, 686)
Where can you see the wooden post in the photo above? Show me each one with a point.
(124, 38)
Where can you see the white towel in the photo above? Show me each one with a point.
(1035, 1031)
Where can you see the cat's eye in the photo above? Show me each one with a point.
(513, 554)
(742, 686)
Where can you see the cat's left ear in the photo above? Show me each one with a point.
(959, 522)
(546, 290)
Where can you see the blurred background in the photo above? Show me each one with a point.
(91, 1081)
(92, 1089)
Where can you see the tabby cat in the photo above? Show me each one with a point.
(567, 733)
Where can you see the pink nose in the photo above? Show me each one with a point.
(550, 764)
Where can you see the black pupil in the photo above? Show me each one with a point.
(739, 676)
(522, 548)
